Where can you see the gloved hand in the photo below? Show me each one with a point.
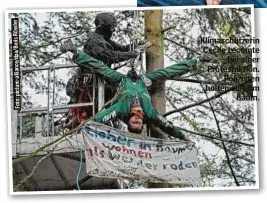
(68, 46)
(144, 44)
(141, 42)
(138, 51)
(190, 144)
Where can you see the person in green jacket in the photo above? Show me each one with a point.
(133, 103)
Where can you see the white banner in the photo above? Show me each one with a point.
(109, 153)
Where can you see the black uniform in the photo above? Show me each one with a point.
(101, 47)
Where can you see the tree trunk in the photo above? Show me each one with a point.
(155, 61)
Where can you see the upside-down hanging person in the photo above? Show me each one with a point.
(133, 104)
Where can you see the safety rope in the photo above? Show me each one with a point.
(140, 57)
(80, 165)
(135, 26)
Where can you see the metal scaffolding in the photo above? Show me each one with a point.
(51, 109)
(54, 167)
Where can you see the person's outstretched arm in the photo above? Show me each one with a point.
(175, 70)
(104, 52)
(119, 47)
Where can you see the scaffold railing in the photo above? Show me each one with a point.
(50, 110)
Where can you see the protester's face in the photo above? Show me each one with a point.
(109, 29)
(106, 31)
(213, 2)
(136, 123)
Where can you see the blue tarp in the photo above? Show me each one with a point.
(144, 3)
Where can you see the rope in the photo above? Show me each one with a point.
(80, 165)
(135, 62)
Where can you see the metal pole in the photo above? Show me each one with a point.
(46, 68)
(53, 102)
(101, 95)
(44, 109)
(135, 26)
(48, 97)
(94, 86)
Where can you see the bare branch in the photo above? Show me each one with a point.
(33, 171)
(202, 81)
(168, 28)
(59, 40)
(241, 177)
(203, 135)
(220, 133)
(205, 100)
(185, 47)
(217, 138)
